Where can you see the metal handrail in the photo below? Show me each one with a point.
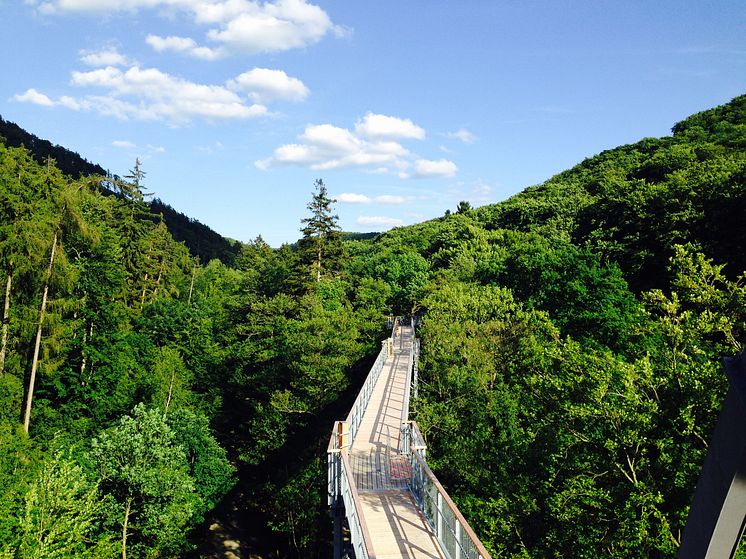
(355, 417)
(407, 390)
(341, 484)
(412, 439)
(359, 535)
(452, 531)
(361, 402)
(416, 369)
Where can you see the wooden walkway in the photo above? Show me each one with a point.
(396, 526)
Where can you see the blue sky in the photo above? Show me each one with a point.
(235, 107)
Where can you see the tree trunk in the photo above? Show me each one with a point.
(87, 337)
(144, 288)
(191, 286)
(6, 322)
(157, 282)
(318, 264)
(35, 361)
(127, 510)
(170, 388)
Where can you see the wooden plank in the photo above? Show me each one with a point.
(397, 528)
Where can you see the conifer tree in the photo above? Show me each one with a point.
(321, 245)
(134, 225)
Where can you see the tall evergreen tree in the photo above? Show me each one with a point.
(135, 223)
(321, 246)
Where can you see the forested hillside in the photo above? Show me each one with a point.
(573, 338)
(202, 242)
(69, 162)
(570, 375)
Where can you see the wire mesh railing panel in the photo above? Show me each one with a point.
(448, 530)
(358, 536)
(355, 417)
(454, 534)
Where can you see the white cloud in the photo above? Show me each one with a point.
(107, 57)
(264, 85)
(331, 139)
(352, 198)
(156, 149)
(369, 145)
(161, 96)
(325, 146)
(34, 97)
(378, 171)
(376, 220)
(150, 94)
(123, 144)
(424, 168)
(210, 149)
(271, 27)
(464, 135)
(232, 26)
(388, 127)
(182, 45)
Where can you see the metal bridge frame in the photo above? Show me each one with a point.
(717, 517)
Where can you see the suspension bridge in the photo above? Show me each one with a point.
(380, 487)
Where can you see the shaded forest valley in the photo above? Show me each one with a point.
(156, 395)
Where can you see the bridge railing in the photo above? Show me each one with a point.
(451, 529)
(340, 479)
(412, 439)
(341, 485)
(361, 402)
(403, 446)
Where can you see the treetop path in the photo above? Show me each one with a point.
(379, 481)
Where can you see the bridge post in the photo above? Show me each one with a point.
(338, 512)
(416, 368)
(716, 519)
(458, 541)
(439, 520)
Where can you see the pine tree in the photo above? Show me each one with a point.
(135, 224)
(321, 246)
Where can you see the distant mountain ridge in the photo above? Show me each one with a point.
(202, 241)
(69, 162)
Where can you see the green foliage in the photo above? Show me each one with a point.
(170, 380)
(570, 378)
(148, 495)
(19, 462)
(405, 273)
(208, 465)
(301, 520)
(556, 448)
(586, 298)
(61, 514)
